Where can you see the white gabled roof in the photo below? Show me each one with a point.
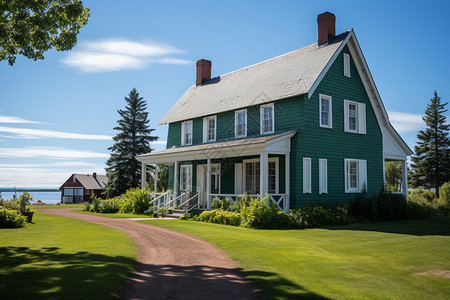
(284, 76)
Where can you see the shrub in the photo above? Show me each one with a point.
(222, 204)
(219, 217)
(11, 219)
(318, 215)
(96, 204)
(385, 206)
(87, 207)
(24, 202)
(444, 194)
(135, 201)
(418, 211)
(9, 204)
(110, 205)
(428, 195)
(264, 214)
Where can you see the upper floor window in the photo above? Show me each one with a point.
(346, 65)
(354, 117)
(325, 112)
(186, 133)
(240, 121)
(209, 129)
(267, 118)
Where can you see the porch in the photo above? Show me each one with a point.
(198, 174)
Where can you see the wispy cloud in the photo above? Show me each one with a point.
(16, 120)
(28, 133)
(119, 54)
(52, 152)
(406, 122)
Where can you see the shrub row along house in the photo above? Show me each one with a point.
(305, 127)
(81, 187)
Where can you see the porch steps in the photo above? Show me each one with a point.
(174, 213)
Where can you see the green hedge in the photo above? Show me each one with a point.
(11, 219)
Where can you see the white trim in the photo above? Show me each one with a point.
(346, 65)
(361, 175)
(189, 181)
(360, 117)
(238, 178)
(206, 129)
(183, 132)
(236, 113)
(323, 174)
(330, 112)
(252, 160)
(261, 117)
(306, 175)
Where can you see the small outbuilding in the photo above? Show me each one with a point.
(80, 187)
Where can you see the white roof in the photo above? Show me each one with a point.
(284, 76)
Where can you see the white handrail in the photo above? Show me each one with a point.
(187, 201)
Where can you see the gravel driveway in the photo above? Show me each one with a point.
(174, 265)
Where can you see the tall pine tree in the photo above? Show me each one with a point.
(133, 138)
(431, 162)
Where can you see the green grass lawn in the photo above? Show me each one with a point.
(362, 261)
(63, 258)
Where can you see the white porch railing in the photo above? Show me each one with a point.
(281, 200)
(160, 200)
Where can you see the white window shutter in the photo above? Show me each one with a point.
(238, 186)
(346, 65)
(362, 175)
(362, 118)
(205, 130)
(323, 180)
(346, 115)
(306, 175)
(183, 133)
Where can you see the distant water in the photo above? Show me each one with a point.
(47, 197)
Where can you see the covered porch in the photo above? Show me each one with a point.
(257, 166)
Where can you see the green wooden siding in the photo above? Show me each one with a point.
(302, 114)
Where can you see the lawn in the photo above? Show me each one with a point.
(63, 258)
(392, 260)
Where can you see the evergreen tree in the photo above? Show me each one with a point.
(133, 138)
(431, 163)
(163, 179)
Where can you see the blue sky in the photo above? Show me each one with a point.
(57, 115)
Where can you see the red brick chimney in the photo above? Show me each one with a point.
(203, 71)
(327, 27)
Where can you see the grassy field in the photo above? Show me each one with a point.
(392, 260)
(62, 258)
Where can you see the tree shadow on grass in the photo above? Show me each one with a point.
(419, 227)
(205, 282)
(45, 273)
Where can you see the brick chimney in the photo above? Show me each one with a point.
(327, 27)
(203, 71)
(94, 175)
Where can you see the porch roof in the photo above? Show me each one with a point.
(273, 144)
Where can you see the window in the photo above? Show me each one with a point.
(355, 175)
(209, 129)
(240, 121)
(354, 117)
(252, 176)
(272, 177)
(346, 65)
(306, 175)
(325, 111)
(186, 177)
(186, 133)
(323, 176)
(267, 119)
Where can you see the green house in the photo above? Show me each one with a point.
(306, 127)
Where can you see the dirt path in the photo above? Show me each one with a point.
(174, 265)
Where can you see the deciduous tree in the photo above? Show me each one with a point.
(31, 27)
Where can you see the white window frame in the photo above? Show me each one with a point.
(277, 171)
(360, 117)
(346, 64)
(307, 175)
(261, 112)
(236, 119)
(189, 181)
(361, 175)
(323, 174)
(330, 112)
(206, 120)
(183, 132)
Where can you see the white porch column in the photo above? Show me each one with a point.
(287, 180)
(405, 178)
(208, 183)
(144, 176)
(175, 179)
(156, 178)
(264, 174)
